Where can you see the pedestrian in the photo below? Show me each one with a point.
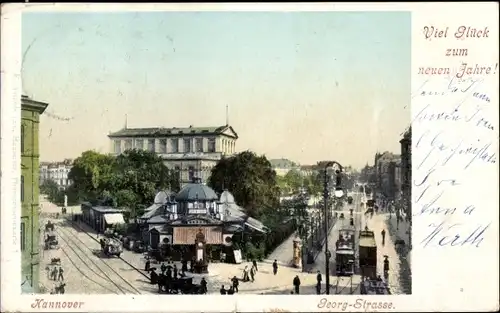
(147, 267)
(254, 264)
(53, 274)
(275, 267)
(47, 269)
(296, 284)
(383, 236)
(163, 268)
(235, 283)
(319, 279)
(245, 274)
(223, 290)
(230, 291)
(175, 271)
(61, 276)
(203, 284)
(252, 273)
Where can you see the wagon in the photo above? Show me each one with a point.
(112, 247)
(51, 242)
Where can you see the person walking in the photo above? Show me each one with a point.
(319, 279)
(275, 267)
(147, 267)
(53, 274)
(383, 236)
(296, 284)
(254, 265)
(252, 274)
(163, 268)
(203, 284)
(61, 272)
(235, 283)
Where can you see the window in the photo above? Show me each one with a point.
(22, 138)
(22, 188)
(23, 237)
(118, 147)
(163, 145)
(151, 145)
(187, 145)
(175, 145)
(128, 144)
(199, 144)
(139, 144)
(211, 145)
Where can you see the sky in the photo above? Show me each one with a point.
(307, 86)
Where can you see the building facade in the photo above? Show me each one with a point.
(57, 172)
(174, 222)
(386, 167)
(406, 171)
(30, 158)
(191, 152)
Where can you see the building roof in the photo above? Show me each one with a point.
(173, 131)
(226, 197)
(29, 104)
(107, 209)
(196, 192)
(158, 219)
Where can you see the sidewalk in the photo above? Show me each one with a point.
(400, 231)
(283, 254)
(399, 276)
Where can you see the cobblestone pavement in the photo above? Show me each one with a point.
(399, 276)
(221, 274)
(283, 254)
(86, 270)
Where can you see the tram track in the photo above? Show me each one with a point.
(82, 273)
(107, 276)
(75, 225)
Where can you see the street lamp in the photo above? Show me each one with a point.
(338, 191)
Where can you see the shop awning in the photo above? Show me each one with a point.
(114, 218)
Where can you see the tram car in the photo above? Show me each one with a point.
(345, 252)
(112, 247)
(367, 254)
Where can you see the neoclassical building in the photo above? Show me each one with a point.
(30, 189)
(174, 221)
(190, 151)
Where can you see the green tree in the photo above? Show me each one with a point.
(251, 180)
(130, 180)
(50, 189)
(92, 173)
(294, 179)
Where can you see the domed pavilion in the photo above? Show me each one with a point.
(185, 224)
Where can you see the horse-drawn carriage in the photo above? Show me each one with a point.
(181, 285)
(49, 227)
(51, 242)
(111, 247)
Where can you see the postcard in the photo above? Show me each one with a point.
(249, 157)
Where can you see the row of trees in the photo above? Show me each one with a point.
(130, 180)
(254, 185)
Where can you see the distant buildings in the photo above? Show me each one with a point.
(282, 166)
(388, 169)
(191, 152)
(29, 229)
(406, 171)
(57, 172)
